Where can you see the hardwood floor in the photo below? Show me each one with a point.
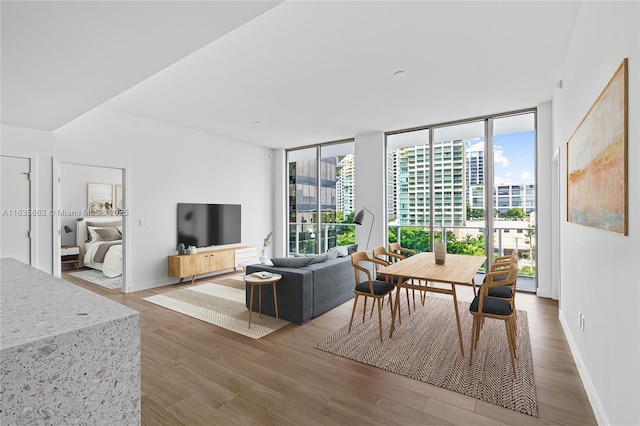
(194, 373)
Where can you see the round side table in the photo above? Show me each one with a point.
(253, 281)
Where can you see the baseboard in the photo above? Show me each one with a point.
(596, 405)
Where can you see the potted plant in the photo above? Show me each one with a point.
(265, 244)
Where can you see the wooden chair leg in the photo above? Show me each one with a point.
(473, 338)
(413, 291)
(364, 309)
(408, 302)
(512, 349)
(353, 311)
(379, 317)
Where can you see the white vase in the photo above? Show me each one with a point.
(440, 252)
(263, 258)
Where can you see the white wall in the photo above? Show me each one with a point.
(73, 191)
(599, 270)
(37, 146)
(544, 210)
(370, 152)
(165, 165)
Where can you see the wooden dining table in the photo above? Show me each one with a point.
(457, 269)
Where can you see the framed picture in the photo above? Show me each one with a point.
(118, 199)
(99, 199)
(597, 161)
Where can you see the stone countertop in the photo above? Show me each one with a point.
(35, 305)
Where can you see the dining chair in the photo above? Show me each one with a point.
(397, 248)
(507, 288)
(486, 307)
(363, 266)
(389, 258)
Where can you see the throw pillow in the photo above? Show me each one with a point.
(352, 249)
(318, 258)
(109, 234)
(341, 251)
(291, 262)
(331, 254)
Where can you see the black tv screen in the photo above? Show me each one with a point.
(204, 225)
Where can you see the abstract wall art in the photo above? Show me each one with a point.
(597, 161)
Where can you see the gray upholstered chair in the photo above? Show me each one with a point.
(390, 257)
(369, 287)
(486, 307)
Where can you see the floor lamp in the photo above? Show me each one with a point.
(358, 221)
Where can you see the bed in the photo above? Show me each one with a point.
(100, 242)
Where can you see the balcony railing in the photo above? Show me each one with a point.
(303, 238)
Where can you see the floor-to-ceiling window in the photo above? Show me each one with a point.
(321, 197)
(462, 182)
(514, 192)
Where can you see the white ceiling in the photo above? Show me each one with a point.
(307, 71)
(61, 59)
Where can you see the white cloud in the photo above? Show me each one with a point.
(500, 180)
(499, 159)
(526, 177)
(475, 145)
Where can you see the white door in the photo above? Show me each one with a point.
(15, 205)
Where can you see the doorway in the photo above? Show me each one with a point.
(80, 188)
(15, 205)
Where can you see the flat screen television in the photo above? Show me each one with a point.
(205, 225)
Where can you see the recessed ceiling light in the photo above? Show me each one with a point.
(257, 122)
(399, 74)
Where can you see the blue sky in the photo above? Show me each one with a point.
(514, 157)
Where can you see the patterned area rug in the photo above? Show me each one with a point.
(219, 305)
(97, 277)
(425, 347)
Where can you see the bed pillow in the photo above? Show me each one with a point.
(109, 234)
(92, 235)
(100, 225)
(291, 262)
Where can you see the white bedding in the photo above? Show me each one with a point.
(112, 265)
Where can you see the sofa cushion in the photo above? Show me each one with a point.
(352, 248)
(307, 291)
(333, 283)
(291, 262)
(295, 293)
(331, 254)
(316, 258)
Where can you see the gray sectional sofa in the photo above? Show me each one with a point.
(307, 291)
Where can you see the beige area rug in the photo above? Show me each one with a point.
(97, 277)
(220, 305)
(425, 347)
